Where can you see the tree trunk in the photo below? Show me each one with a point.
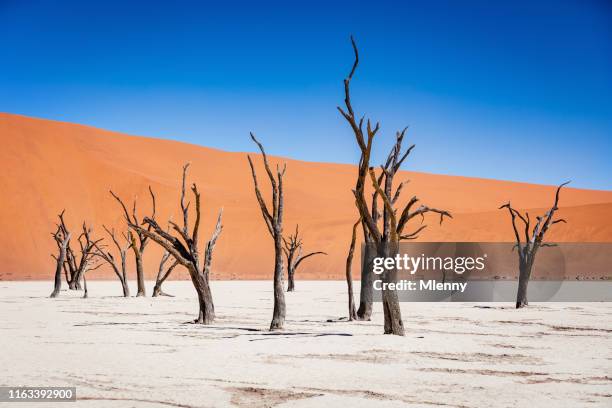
(207, 308)
(139, 271)
(79, 277)
(206, 314)
(278, 317)
(352, 313)
(391, 306)
(126, 288)
(85, 294)
(75, 283)
(162, 275)
(58, 272)
(73, 268)
(290, 279)
(524, 274)
(392, 312)
(351, 301)
(157, 290)
(124, 280)
(364, 312)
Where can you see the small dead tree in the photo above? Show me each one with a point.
(392, 233)
(139, 240)
(119, 266)
(163, 273)
(293, 252)
(274, 223)
(75, 264)
(80, 261)
(62, 239)
(533, 241)
(184, 248)
(349, 273)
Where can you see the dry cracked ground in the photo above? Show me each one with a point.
(143, 352)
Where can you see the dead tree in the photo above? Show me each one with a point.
(533, 241)
(293, 252)
(349, 273)
(274, 223)
(392, 232)
(163, 273)
(183, 246)
(364, 312)
(119, 266)
(80, 261)
(139, 240)
(73, 265)
(62, 239)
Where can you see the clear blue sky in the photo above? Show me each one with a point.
(521, 91)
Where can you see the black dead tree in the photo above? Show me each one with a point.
(163, 273)
(75, 263)
(183, 246)
(139, 240)
(293, 252)
(78, 262)
(274, 223)
(387, 240)
(119, 265)
(352, 313)
(62, 238)
(85, 291)
(88, 260)
(533, 241)
(364, 312)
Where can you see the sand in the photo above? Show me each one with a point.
(48, 166)
(140, 352)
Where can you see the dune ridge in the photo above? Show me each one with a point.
(48, 166)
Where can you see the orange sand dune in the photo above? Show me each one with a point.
(48, 166)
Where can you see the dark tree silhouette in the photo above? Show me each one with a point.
(533, 241)
(293, 252)
(62, 238)
(163, 273)
(274, 223)
(393, 227)
(75, 263)
(183, 246)
(349, 273)
(80, 261)
(119, 265)
(139, 239)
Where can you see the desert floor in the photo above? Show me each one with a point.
(142, 352)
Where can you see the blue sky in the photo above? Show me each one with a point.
(520, 91)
